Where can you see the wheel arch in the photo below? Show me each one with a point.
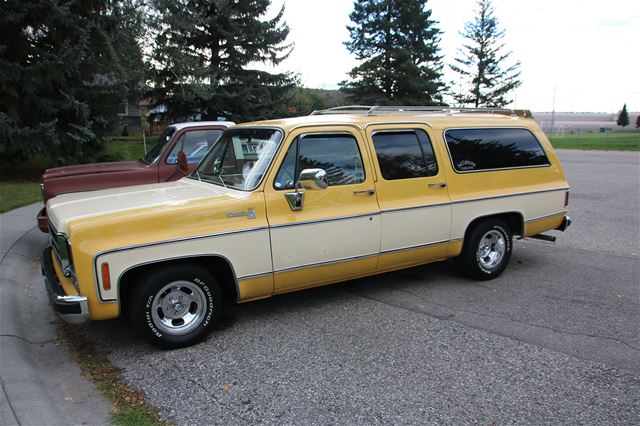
(514, 219)
(217, 265)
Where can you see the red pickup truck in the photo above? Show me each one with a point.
(174, 155)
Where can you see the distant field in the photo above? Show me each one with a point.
(611, 141)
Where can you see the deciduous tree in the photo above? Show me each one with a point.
(485, 77)
(397, 44)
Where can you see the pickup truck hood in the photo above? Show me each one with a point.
(93, 168)
(67, 208)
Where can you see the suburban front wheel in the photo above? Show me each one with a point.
(486, 250)
(175, 306)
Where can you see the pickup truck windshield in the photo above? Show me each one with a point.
(152, 155)
(240, 158)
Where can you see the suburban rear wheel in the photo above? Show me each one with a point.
(175, 306)
(486, 250)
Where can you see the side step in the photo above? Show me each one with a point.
(549, 238)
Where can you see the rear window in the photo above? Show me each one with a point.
(489, 149)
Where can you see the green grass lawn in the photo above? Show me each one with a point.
(128, 150)
(611, 141)
(17, 194)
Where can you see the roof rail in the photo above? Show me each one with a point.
(417, 109)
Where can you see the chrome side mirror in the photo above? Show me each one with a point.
(310, 179)
(313, 179)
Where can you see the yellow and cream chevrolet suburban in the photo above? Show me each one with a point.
(283, 205)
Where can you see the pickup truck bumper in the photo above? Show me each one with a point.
(73, 309)
(566, 222)
(43, 225)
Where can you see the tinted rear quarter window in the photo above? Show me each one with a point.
(404, 154)
(489, 149)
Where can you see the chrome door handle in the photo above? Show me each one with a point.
(366, 191)
(438, 184)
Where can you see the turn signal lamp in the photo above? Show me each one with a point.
(106, 278)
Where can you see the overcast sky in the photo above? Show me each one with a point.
(589, 50)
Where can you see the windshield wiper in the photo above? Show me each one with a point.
(198, 174)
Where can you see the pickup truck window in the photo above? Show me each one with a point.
(240, 158)
(404, 154)
(195, 144)
(490, 149)
(152, 155)
(337, 154)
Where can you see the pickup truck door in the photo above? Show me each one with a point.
(335, 235)
(412, 193)
(195, 143)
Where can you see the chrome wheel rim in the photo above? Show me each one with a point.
(178, 307)
(491, 249)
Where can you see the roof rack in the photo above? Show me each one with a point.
(409, 109)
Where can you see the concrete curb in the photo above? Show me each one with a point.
(40, 382)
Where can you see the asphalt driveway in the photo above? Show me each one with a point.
(40, 384)
(554, 340)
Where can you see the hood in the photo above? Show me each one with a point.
(92, 168)
(66, 208)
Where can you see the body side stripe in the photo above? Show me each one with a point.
(132, 247)
(329, 262)
(311, 222)
(547, 216)
(247, 277)
(515, 194)
(417, 246)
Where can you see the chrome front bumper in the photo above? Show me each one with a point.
(73, 309)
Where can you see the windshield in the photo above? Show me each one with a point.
(240, 158)
(152, 155)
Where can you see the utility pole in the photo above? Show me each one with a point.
(553, 109)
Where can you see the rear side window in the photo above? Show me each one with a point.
(336, 154)
(404, 154)
(489, 149)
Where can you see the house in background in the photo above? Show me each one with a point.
(134, 118)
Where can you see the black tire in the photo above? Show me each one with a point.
(488, 234)
(175, 306)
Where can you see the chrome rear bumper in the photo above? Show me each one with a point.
(566, 222)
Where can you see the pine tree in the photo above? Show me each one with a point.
(638, 122)
(396, 42)
(623, 117)
(481, 64)
(203, 50)
(62, 77)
